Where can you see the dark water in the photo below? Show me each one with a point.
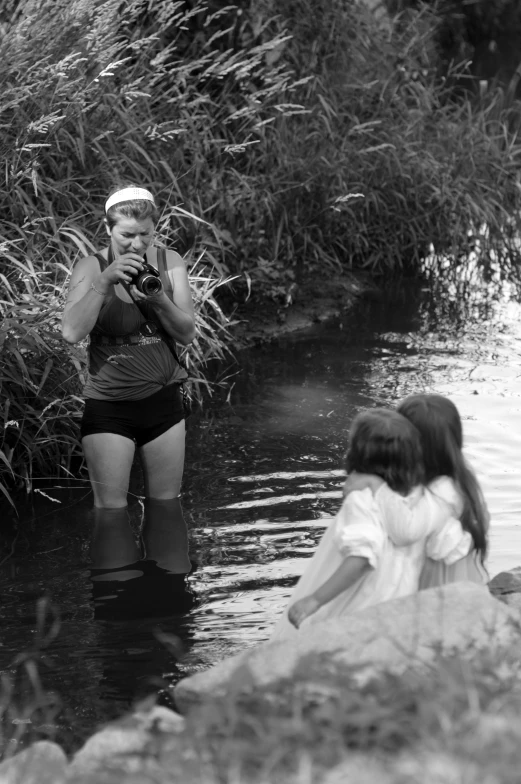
(263, 478)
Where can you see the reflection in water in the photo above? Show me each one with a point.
(148, 579)
(139, 592)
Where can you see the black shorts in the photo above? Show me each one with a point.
(140, 420)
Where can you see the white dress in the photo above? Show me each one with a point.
(444, 564)
(391, 532)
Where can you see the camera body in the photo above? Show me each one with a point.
(147, 281)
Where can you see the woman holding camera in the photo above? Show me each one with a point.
(134, 302)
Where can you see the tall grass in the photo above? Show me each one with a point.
(91, 96)
(281, 138)
(387, 167)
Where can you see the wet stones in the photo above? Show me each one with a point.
(42, 763)
(506, 583)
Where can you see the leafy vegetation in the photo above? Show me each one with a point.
(28, 711)
(459, 711)
(281, 139)
(457, 717)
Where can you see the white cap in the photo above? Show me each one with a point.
(128, 194)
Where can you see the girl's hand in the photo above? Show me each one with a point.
(357, 481)
(302, 609)
(123, 269)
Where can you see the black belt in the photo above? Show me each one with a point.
(147, 331)
(124, 340)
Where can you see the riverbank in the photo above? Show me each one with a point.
(314, 300)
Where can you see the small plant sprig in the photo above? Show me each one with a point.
(28, 711)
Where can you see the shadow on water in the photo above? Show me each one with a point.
(263, 478)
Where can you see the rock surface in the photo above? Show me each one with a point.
(42, 763)
(124, 744)
(394, 635)
(506, 582)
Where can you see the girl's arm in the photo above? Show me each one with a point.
(345, 576)
(176, 315)
(448, 542)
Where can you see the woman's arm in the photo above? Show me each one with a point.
(177, 317)
(83, 303)
(87, 290)
(345, 576)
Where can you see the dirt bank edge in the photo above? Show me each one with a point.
(316, 300)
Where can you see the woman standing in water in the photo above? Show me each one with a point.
(133, 394)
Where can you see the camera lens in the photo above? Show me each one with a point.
(149, 284)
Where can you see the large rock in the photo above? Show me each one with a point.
(42, 763)
(125, 745)
(359, 769)
(506, 582)
(461, 617)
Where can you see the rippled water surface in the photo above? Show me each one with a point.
(263, 478)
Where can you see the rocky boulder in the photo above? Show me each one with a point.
(125, 746)
(506, 583)
(42, 763)
(391, 636)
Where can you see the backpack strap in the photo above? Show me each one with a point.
(162, 267)
(163, 272)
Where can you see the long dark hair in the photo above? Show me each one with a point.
(438, 421)
(385, 443)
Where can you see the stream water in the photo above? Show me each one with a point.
(263, 478)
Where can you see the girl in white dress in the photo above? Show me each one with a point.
(450, 478)
(374, 549)
(453, 484)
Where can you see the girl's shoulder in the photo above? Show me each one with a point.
(359, 505)
(446, 489)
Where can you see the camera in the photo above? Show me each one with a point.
(147, 281)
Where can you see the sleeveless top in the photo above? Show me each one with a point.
(123, 363)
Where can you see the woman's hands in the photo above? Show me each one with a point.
(302, 609)
(122, 270)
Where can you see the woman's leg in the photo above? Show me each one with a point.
(109, 460)
(165, 537)
(113, 545)
(164, 530)
(163, 462)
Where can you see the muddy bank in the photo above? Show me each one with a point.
(315, 300)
